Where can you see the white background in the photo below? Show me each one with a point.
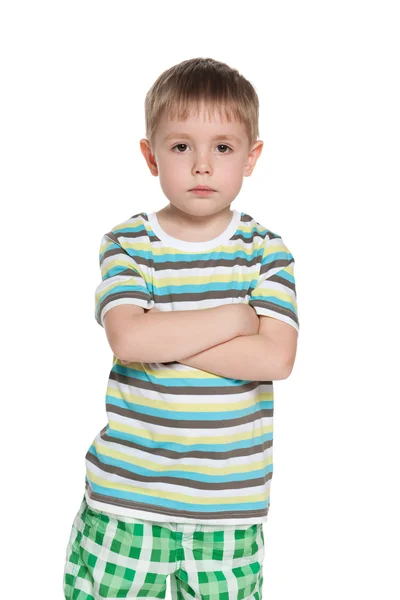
(74, 76)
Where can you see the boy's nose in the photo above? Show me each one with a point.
(203, 166)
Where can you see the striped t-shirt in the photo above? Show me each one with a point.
(182, 444)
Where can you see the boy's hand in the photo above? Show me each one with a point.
(249, 320)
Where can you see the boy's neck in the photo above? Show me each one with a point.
(193, 228)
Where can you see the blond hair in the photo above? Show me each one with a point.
(202, 81)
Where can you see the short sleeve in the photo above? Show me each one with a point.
(125, 277)
(275, 291)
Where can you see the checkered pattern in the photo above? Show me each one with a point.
(112, 557)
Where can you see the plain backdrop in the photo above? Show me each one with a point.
(74, 76)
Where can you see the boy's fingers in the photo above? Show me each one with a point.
(154, 309)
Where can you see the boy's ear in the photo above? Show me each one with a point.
(252, 157)
(149, 156)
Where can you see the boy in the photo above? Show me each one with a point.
(199, 307)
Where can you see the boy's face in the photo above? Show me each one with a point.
(200, 151)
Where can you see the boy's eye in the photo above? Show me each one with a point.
(223, 146)
(183, 146)
(179, 146)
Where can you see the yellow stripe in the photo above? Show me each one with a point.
(246, 249)
(277, 246)
(177, 466)
(175, 496)
(266, 291)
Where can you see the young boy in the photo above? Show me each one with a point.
(198, 303)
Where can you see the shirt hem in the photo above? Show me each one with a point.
(136, 514)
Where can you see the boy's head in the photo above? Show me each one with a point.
(202, 128)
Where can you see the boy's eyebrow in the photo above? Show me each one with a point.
(216, 137)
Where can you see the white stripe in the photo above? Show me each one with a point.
(130, 454)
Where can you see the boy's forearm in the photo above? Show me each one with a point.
(248, 357)
(174, 335)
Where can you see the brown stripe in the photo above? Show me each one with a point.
(150, 508)
(275, 264)
(275, 308)
(117, 251)
(189, 424)
(282, 280)
(112, 297)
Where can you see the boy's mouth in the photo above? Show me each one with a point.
(202, 188)
(202, 191)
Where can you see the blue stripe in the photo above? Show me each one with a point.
(220, 382)
(130, 229)
(119, 269)
(285, 275)
(201, 256)
(176, 257)
(124, 288)
(277, 256)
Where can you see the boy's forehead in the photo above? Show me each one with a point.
(206, 123)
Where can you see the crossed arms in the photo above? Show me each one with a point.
(229, 340)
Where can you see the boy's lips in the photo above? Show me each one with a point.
(202, 192)
(202, 187)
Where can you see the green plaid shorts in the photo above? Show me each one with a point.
(112, 557)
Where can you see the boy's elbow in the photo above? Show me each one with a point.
(287, 369)
(119, 352)
(124, 352)
(117, 340)
(117, 348)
